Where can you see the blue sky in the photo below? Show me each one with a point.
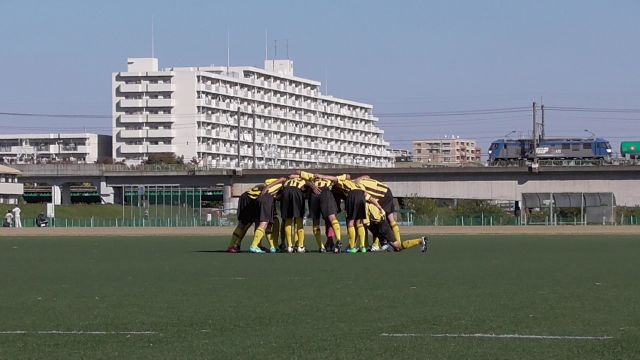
(400, 56)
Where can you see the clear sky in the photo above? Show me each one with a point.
(400, 56)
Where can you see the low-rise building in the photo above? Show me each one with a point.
(447, 151)
(46, 148)
(10, 188)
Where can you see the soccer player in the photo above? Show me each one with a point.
(381, 192)
(292, 210)
(247, 213)
(379, 227)
(265, 215)
(355, 205)
(322, 203)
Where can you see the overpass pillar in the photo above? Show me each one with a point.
(66, 194)
(106, 192)
(227, 199)
(56, 197)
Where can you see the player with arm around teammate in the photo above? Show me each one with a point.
(322, 204)
(356, 199)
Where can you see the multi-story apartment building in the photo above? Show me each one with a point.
(44, 148)
(240, 117)
(446, 151)
(10, 188)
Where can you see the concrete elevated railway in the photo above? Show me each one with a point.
(487, 183)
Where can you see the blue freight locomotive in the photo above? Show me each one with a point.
(517, 152)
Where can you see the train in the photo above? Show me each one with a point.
(503, 152)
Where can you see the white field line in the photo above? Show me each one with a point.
(507, 336)
(75, 332)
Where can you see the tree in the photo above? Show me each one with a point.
(164, 158)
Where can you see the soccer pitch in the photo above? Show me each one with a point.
(479, 297)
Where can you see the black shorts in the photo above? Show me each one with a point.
(383, 232)
(387, 203)
(356, 205)
(291, 203)
(247, 209)
(322, 205)
(266, 210)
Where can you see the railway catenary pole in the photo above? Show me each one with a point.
(534, 140)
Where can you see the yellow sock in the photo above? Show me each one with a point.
(288, 225)
(376, 242)
(275, 232)
(362, 235)
(396, 230)
(257, 237)
(317, 234)
(335, 224)
(352, 236)
(411, 243)
(300, 232)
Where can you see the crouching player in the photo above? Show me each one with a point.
(247, 214)
(381, 192)
(380, 228)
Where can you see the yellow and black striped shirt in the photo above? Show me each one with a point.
(295, 182)
(323, 183)
(374, 188)
(345, 186)
(374, 215)
(255, 191)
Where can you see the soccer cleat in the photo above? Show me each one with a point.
(322, 250)
(264, 249)
(425, 243)
(300, 249)
(273, 250)
(352, 250)
(289, 249)
(375, 248)
(338, 248)
(233, 249)
(363, 250)
(256, 250)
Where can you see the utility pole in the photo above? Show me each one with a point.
(534, 139)
(239, 136)
(542, 121)
(254, 138)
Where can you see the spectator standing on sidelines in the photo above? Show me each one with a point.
(16, 217)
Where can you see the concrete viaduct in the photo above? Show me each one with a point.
(484, 183)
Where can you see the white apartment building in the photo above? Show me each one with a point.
(219, 115)
(10, 188)
(45, 148)
(446, 151)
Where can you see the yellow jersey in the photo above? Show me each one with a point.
(295, 182)
(374, 188)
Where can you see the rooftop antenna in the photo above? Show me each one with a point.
(152, 45)
(287, 49)
(275, 54)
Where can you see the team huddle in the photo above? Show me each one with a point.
(368, 204)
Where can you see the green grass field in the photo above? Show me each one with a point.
(201, 303)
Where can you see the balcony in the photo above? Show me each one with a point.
(82, 149)
(128, 88)
(132, 149)
(133, 118)
(160, 102)
(161, 133)
(132, 103)
(129, 134)
(160, 148)
(161, 87)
